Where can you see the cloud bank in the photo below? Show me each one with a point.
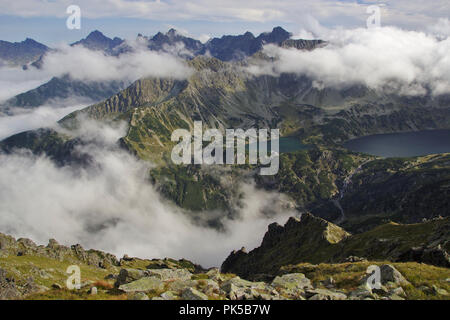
(405, 13)
(44, 116)
(15, 80)
(84, 64)
(113, 207)
(387, 58)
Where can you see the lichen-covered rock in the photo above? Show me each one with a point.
(179, 285)
(138, 296)
(169, 274)
(239, 289)
(169, 295)
(324, 294)
(129, 275)
(361, 293)
(390, 274)
(293, 281)
(146, 284)
(193, 294)
(214, 274)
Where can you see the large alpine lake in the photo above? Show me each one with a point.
(407, 144)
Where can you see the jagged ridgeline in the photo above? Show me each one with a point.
(226, 95)
(310, 239)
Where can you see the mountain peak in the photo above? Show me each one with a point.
(96, 40)
(279, 30)
(95, 35)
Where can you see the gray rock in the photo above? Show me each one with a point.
(398, 291)
(129, 275)
(93, 291)
(324, 294)
(210, 287)
(179, 285)
(193, 294)
(292, 281)
(390, 274)
(361, 293)
(146, 284)
(236, 287)
(169, 274)
(138, 296)
(169, 295)
(214, 274)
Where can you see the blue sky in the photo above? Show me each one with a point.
(44, 20)
(51, 30)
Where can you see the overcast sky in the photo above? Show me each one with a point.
(44, 20)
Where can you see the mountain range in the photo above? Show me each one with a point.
(31, 54)
(224, 95)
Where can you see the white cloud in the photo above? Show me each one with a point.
(84, 64)
(441, 29)
(112, 207)
(44, 116)
(16, 80)
(405, 62)
(405, 13)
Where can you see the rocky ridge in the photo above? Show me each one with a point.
(30, 271)
(313, 240)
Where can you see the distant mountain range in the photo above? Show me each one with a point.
(31, 53)
(21, 53)
(226, 48)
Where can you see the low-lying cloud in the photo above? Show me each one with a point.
(19, 119)
(387, 58)
(88, 65)
(113, 207)
(16, 80)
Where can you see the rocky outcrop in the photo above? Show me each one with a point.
(301, 239)
(314, 240)
(22, 247)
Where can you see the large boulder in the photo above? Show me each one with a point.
(169, 274)
(147, 284)
(292, 281)
(390, 274)
(129, 275)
